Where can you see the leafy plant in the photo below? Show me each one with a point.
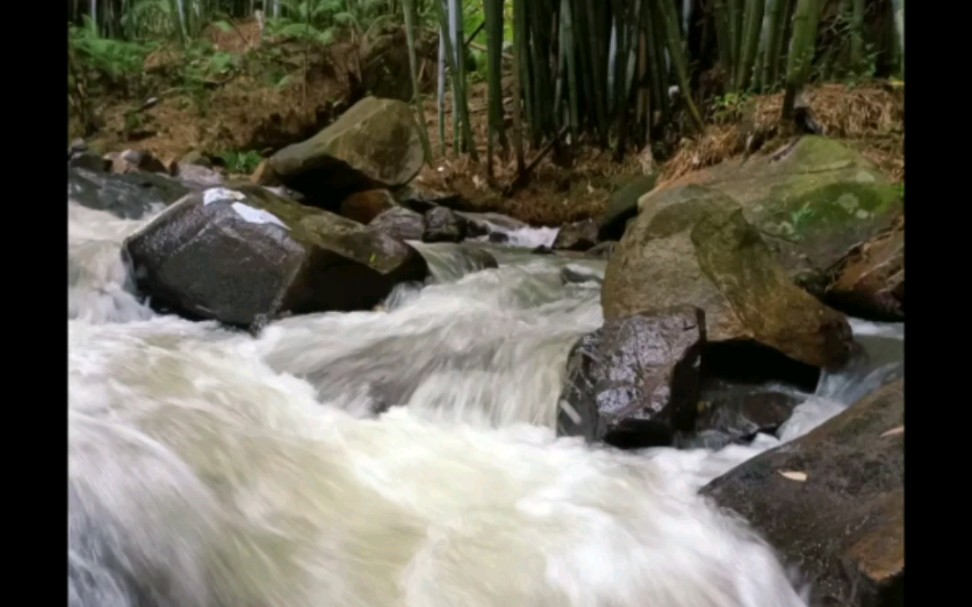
(241, 162)
(112, 58)
(729, 106)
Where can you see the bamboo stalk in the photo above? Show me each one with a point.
(774, 45)
(675, 51)
(805, 21)
(750, 42)
(517, 89)
(494, 44)
(735, 22)
(723, 39)
(408, 7)
(461, 109)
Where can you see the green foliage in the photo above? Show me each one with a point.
(114, 59)
(241, 162)
(728, 107)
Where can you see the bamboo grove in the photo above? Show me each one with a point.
(613, 73)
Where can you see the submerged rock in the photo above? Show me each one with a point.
(811, 202)
(443, 225)
(740, 411)
(575, 274)
(832, 502)
(702, 252)
(635, 381)
(577, 236)
(870, 280)
(374, 144)
(367, 205)
(400, 223)
(128, 196)
(245, 256)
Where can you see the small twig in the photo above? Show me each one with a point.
(522, 177)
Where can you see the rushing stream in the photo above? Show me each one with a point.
(211, 468)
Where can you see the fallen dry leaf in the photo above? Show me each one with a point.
(794, 476)
(893, 431)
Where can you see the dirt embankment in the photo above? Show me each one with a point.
(275, 92)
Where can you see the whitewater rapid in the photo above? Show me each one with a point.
(397, 457)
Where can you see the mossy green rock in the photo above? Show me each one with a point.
(623, 205)
(244, 256)
(812, 202)
(699, 250)
(375, 144)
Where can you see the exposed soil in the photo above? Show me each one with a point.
(285, 91)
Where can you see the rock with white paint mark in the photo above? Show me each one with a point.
(244, 256)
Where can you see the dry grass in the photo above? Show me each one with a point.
(869, 118)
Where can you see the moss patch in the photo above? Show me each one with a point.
(835, 205)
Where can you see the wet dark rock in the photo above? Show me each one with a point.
(577, 236)
(128, 196)
(739, 411)
(499, 237)
(443, 225)
(542, 250)
(635, 381)
(364, 206)
(245, 256)
(832, 502)
(400, 223)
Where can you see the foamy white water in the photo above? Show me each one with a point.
(210, 468)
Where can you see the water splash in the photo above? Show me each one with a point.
(210, 468)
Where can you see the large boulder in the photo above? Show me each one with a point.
(244, 256)
(128, 196)
(702, 252)
(812, 202)
(364, 206)
(635, 381)
(577, 236)
(832, 502)
(384, 66)
(401, 223)
(374, 144)
(870, 281)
